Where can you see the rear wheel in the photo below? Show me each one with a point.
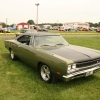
(46, 74)
(12, 55)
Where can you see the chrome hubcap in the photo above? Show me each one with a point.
(12, 55)
(45, 72)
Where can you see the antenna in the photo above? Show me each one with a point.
(6, 22)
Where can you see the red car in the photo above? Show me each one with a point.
(98, 30)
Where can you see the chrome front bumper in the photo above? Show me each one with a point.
(81, 73)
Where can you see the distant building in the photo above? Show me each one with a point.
(75, 25)
(0, 25)
(22, 25)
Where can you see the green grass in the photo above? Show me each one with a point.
(19, 81)
(73, 32)
(91, 42)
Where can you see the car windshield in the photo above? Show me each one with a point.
(49, 40)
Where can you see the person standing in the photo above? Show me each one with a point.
(35, 29)
(8, 30)
(5, 31)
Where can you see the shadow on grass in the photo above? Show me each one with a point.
(79, 81)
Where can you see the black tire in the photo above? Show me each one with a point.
(46, 74)
(12, 55)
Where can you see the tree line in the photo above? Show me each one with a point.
(94, 24)
(31, 22)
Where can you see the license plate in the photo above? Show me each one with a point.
(89, 73)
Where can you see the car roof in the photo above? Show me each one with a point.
(37, 34)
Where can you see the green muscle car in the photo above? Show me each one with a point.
(53, 56)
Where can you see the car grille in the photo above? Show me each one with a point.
(88, 63)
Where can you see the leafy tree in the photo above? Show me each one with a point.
(60, 24)
(3, 25)
(8, 25)
(11, 25)
(31, 22)
(52, 24)
(99, 24)
(91, 24)
(94, 24)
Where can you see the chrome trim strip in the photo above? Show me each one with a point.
(81, 72)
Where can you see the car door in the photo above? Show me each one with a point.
(25, 50)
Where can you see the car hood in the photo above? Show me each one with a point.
(74, 53)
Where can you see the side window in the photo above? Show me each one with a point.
(25, 39)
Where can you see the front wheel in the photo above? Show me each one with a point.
(46, 74)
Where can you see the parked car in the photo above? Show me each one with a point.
(43, 29)
(23, 30)
(1, 30)
(53, 56)
(5, 30)
(98, 30)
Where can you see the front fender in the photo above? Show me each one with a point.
(57, 64)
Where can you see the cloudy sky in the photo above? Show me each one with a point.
(50, 11)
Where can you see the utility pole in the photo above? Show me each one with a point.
(37, 15)
(6, 22)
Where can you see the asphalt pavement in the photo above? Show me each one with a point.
(64, 35)
(7, 36)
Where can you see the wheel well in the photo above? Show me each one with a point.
(53, 79)
(39, 64)
(9, 49)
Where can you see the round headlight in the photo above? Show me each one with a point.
(74, 66)
(69, 67)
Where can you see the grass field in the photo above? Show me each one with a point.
(73, 32)
(18, 81)
(60, 32)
